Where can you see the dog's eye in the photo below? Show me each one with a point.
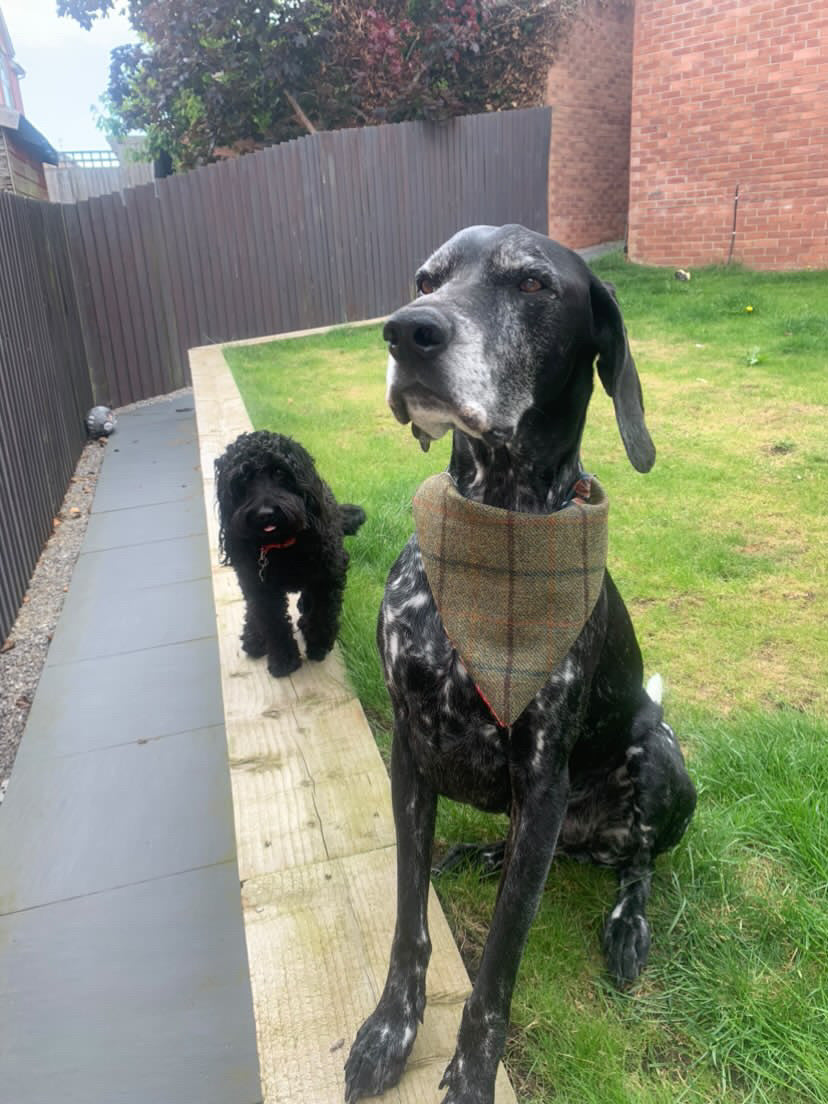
(530, 284)
(425, 285)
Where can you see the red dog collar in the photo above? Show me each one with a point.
(265, 548)
(263, 551)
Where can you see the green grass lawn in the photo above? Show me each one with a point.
(720, 553)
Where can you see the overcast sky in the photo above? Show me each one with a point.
(67, 69)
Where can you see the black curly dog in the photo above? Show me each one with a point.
(281, 530)
(499, 348)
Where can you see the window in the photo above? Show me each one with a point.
(6, 96)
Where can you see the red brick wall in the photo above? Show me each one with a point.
(729, 92)
(589, 90)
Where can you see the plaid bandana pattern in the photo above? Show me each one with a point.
(513, 590)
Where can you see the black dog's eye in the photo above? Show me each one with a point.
(425, 285)
(530, 284)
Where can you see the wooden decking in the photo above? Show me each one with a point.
(315, 839)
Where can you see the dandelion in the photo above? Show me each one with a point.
(749, 309)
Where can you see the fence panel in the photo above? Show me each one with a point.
(324, 229)
(44, 387)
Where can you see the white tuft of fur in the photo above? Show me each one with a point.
(655, 689)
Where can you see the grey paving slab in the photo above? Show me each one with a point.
(142, 488)
(98, 574)
(153, 446)
(144, 524)
(149, 460)
(115, 816)
(119, 699)
(136, 996)
(154, 442)
(162, 408)
(132, 619)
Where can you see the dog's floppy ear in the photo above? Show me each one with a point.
(616, 369)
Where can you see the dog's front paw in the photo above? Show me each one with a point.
(317, 652)
(467, 1082)
(285, 663)
(253, 645)
(378, 1055)
(626, 944)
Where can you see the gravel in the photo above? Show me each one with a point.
(23, 653)
(25, 648)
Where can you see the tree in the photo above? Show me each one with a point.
(241, 73)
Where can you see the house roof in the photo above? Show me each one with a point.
(27, 135)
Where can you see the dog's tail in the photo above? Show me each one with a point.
(352, 517)
(655, 689)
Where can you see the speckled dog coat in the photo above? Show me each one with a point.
(514, 590)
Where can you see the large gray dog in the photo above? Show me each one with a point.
(499, 347)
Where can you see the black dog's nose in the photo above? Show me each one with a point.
(417, 331)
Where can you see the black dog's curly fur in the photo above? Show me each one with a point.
(281, 530)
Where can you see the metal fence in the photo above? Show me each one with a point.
(100, 300)
(44, 387)
(325, 229)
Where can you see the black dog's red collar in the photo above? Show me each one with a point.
(265, 548)
(263, 551)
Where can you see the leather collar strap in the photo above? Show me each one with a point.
(513, 590)
(263, 551)
(266, 548)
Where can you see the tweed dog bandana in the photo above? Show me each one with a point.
(513, 590)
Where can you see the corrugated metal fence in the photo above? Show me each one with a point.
(325, 229)
(44, 387)
(102, 298)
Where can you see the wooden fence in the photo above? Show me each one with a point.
(70, 183)
(100, 300)
(325, 229)
(44, 387)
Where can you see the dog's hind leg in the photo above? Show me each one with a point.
(663, 800)
(487, 857)
(384, 1041)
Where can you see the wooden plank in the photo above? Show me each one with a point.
(249, 247)
(219, 271)
(145, 304)
(315, 843)
(180, 294)
(284, 279)
(187, 233)
(256, 242)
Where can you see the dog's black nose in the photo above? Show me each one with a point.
(417, 331)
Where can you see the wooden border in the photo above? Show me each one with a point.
(315, 841)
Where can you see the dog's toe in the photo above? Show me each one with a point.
(377, 1058)
(467, 1082)
(626, 946)
(317, 652)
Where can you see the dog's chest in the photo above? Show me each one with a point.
(452, 733)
